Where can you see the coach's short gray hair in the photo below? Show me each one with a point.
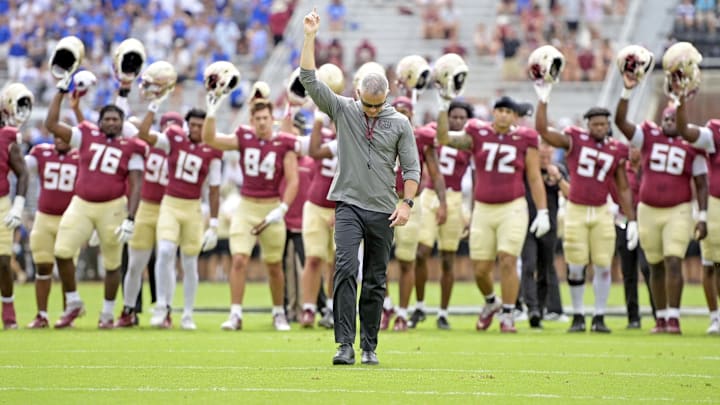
(374, 84)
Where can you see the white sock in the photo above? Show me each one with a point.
(72, 296)
(714, 315)
(387, 304)
(576, 294)
(443, 313)
(278, 309)
(661, 314)
(673, 313)
(329, 304)
(402, 313)
(420, 305)
(109, 307)
(311, 307)
(490, 298)
(8, 300)
(190, 282)
(601, 286)
(236, 309)
(165, 272)
(43, 314)
(137, 261)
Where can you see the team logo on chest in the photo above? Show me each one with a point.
(385, 124)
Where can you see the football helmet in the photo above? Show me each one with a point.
(128, 60)
(675, 87)
(546, 63)
(16, 103)
(221, 78)
(296, 93)
(369, 67)
(260, 89)
(681, 61)
(332, 76)
(83, 80)
(67, 56)
(413, 72)
(635, 60)
(157, 80)
(450, 74)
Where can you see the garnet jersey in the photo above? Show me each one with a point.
(668, 164)
(306, 174)
(188, 163)
(633, 178)
(499, 161)
(104, 162)
(156, 176)
(453, 164)
(324, 172)
(8, 136)
(592, 166)
(710, 141)
(261, 162)
(424, 138)
(57, 173)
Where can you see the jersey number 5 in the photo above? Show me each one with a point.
(58, 176)
(589, 158)
(666, 158)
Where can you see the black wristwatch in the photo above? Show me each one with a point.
(409, 202)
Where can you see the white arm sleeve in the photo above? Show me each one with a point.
(302, 145)
(333, 146)
(705, 140)
(162, 142)
(31, 164)
(638, 137)
(75, 138)
(215, 172)
(456, 133)
(129, 130)
(136, 162)
(699, 166)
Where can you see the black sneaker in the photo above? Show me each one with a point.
(578, 324)
(416, 317)
(598, 324)
(442, 323)
(369, 357)
(535, 318)
(345, 355)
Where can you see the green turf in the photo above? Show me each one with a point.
(259, 365)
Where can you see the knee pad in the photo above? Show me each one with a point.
(576, 274)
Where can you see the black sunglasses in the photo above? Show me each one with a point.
(367, 105)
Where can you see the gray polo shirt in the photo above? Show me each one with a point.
(367, 149)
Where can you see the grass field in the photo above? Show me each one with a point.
(259, 365)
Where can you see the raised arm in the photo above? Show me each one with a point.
(209, 134)
(52, 120)
(625, 126)
(457, 139)
(551, 136)
(322, 96)
(144, 129)
(311, 24)
(691, 133)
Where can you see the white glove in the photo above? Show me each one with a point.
(277, 214)
(94, 239)
(631, 234)
(542, 89)
(154, 105)
(13, 219)
(210, 237)
(125, 231)
(64, 84)
(541, 224)
(212, 103)
(443, 101)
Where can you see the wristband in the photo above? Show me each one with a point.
(625, 94)
(542, 211)
(701, 217)
(153, 107)
(213, 223)
(18, 203)
(131, 218)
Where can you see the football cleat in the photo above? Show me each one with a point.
(327, 320)
(486, 315)
(307, 319)
(636, 61)
(16, 103)
(8, 315)
(673, 326)
(413, 72)
(66, 57)
(714, 328)
(546, 64)
(332, 76)
(578, 324)
(161, 317)
(598, 324)
(450, 74)
(106, 321)
(128, 60)
(280, 323)
(507, 324)
(401, 324)
(157, 80)
(442, 323)
(660, 326)
(417, 316)
(73, 310)
(385, 318)
(187, 323)
(127, 318)
(40, 322)
(234, 322)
